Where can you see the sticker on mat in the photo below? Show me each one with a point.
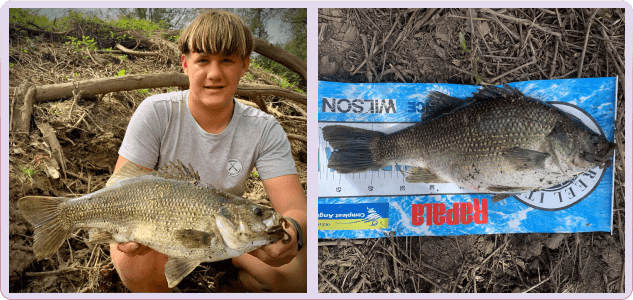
(354, 216)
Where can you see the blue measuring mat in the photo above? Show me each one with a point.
(380, 202)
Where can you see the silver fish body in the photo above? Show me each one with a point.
(170, 211)
(498, 141)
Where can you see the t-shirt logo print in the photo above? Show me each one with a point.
(233, 167)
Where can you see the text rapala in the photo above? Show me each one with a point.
(462, 213)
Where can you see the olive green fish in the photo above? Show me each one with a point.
(170, 211)
(498, 141)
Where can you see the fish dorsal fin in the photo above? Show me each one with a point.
(178, 171)
(126, 171)
(491, 92)
(440, 104)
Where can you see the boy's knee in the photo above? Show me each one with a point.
(141, 273)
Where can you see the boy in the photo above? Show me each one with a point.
(223, 139)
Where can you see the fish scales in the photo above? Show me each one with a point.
(152, 202)
(170, 211)
(498, 141)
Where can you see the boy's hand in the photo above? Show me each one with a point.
(279, 254)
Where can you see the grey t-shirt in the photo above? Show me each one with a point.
(162, 130)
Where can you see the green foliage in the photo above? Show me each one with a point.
(143, 91)
(462, 42)
(28, 171)
(54, 110)
(289, 79)
(121, 73)
(174, 38)
(86, 42)
(164, 18)
(128, 23)
(11, 66)
(255, 174)
(298, 44)
(248, 76)
(25, 16)
(284, 78)
(255, 18)
(156, 19)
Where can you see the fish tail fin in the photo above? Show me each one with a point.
(50, 230)
(355, 148)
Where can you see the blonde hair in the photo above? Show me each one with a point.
(217, 31)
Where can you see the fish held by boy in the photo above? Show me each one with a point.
(497, 141)
(170, 211)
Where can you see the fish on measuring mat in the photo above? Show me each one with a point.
(497, 141)
(169, 210)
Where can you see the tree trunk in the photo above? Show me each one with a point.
(134, 82)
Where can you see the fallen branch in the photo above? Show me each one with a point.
(48, 133)
(38, 31)
(29, 98)
(137, 53)
(282, 56)
(297, 137)
(109, 51)
(134, 82)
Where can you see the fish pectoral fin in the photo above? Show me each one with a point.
(97, 236)
(178, 268)
(191, 239)
(498, 197)
(418, 174)
(525, 159)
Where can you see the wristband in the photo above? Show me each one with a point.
(299, 232)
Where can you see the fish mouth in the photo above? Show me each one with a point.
(277, 232)
(602, 156)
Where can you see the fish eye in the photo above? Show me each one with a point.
(257, 211)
